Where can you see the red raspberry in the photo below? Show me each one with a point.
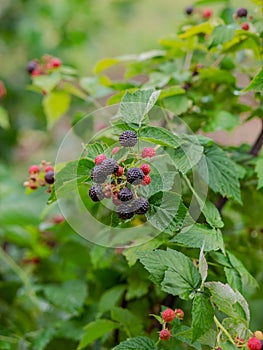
(245, 26)
(100, 158)
(34, 169)
(55, 62)
(120, 171)
(207, 13)
(165, 334)
(148, 152)
(49, 168)
(168, 315)
(146, 180)
(179, 314)
(35, 73)
(58, 219)
(115, 150)
(254, 344)
(145, 168)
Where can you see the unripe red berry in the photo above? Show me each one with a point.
(145, 168)
(165, 334)
(35, 73)
(58, 219)
(146, 180)
(168, 315)
(245, 26)
(2, 90)
(49, 168)
(55, 62)
(115, 150)
(179, 314)
(148, 152)
(254, 344)
(34, 169)
(207, 13)
(33, 186)
(120, 171)
(100, 158)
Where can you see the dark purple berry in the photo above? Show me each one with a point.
(125, 211)
(141, 206)
(98, 174)
(241, 12)
(31, 66)
(110, 166)
(49, 177)
(125, 194)
(96, 193)
(135, 176)
(128, 138)
(189, 10)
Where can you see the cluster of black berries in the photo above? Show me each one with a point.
(120, 183)
(40, 175)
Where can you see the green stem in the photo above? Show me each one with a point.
(220, 326)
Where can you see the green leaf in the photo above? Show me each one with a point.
(222, 173)
(221, 34)
(55, 106)
(4, 119)
(171, 91)
(173, 270)
(135, 106)
(202, 266)
(222, 120)
(177, 104)
(71, 175)
(128, 320)
(43, 338)
(69, 296)
(138, 343)
(200, 235)
(105, 63)
(205, 28)
(231, 302)
(202, 314)
(95, 330)
(212, 215)
(94, 149)
(259, 171)
(159, 136)
(110, 298)
(47, 82)
(249, 283)
(167, 212)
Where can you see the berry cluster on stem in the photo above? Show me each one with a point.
(40, 176)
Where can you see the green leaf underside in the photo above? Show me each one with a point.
(231, 302)
(222, 173)
(173, 270)
(135, 106)
(95, 330)
(138, 343)
(200, 235)
(202, 313)
(94, 149)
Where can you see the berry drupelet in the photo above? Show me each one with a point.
(241, 12)
(135, 176)
(189, 10)
(49, 177)
(96, 193)
(125, 195)
(98, 174)
(128, 138)
(109, 166)
(125, 211)
(141, 206)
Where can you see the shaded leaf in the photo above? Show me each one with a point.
(138, 343)
(202, 314)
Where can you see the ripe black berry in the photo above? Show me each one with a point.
(110, 166)
(128, 138)
(96, 193)
(98, 174)
(141, 206)
(241, 12)
(31, 66)
(189, 10)
(49, 177)
(125, 211)
(135, 176)
(125, 194)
